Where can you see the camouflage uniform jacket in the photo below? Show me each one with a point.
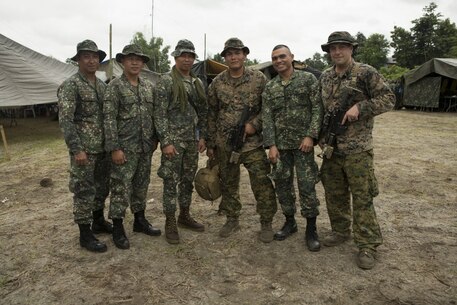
(173, 124)
(128, 111)
(81, 113)
(227, 97)
(291, 111)
(371, 94)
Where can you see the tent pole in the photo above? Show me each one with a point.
(4, 142)
(110, 71)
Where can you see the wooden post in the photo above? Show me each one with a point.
(4, 142)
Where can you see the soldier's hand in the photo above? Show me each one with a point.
(249, 130)
(273, 154)
(81, 158)
(169, 151)
(118, 157)
(307, 144)
(351, 115)
(201, 145)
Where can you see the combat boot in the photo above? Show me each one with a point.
(100, 225)
(141, 224)
(171, 230)
(289, 227)
(366, 259)
(266, 232)
(186, 221)
(312, 240)
(335, 239)
(119, 237)
(231, 225)
(87, 239)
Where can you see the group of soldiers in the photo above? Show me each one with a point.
(112, 131)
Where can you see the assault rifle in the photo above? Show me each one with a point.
(331, 125)
(236, 138)
(331, 128)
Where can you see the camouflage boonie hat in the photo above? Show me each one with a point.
(339, 37)
(234, 43)
(207, 182)
(132, 49)
(184, 46)
(88, 45)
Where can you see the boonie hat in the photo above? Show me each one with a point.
(88, 45)
(207, 182)
(184, 46)
(132, 49)
(339, 37)
(234, 43)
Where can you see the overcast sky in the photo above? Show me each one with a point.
(54, 27)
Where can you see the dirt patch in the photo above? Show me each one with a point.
(416, 166)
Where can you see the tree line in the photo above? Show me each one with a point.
(430, 36)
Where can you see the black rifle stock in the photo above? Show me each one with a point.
(236, 139)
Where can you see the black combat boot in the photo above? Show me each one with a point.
(119, 238)
(312, 240)
(100, 225)
(186, 221)
(289, 227)
(140, 224)
(87, 239)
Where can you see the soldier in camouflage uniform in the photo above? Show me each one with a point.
(81, 119)
(130, 138)
(361, 93)
(291, 123)
(230, 93)
(180, 116)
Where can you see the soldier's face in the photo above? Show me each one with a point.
(341, 53)
(88, 62)
(132, 64)
(282, 60)
(235, 58)
(184, 62)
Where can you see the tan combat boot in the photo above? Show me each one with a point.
(231, 225)
(266, 232)
(335, 239)
(171, 230)
(366, 259)
(186, 221)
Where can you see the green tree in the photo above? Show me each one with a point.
(403, 44)
(159, 55)
(429, 37)
(373, 51)
(393, 72)
(318, 61)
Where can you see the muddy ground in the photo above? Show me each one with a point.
(41, 261)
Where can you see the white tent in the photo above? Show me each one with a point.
(28, 77)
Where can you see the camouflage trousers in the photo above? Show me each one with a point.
(343, 176)
(129, 184)
(307, 177)
(89, 185)
(258, 167)
(178, 176)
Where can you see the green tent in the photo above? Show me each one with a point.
(432, 85)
